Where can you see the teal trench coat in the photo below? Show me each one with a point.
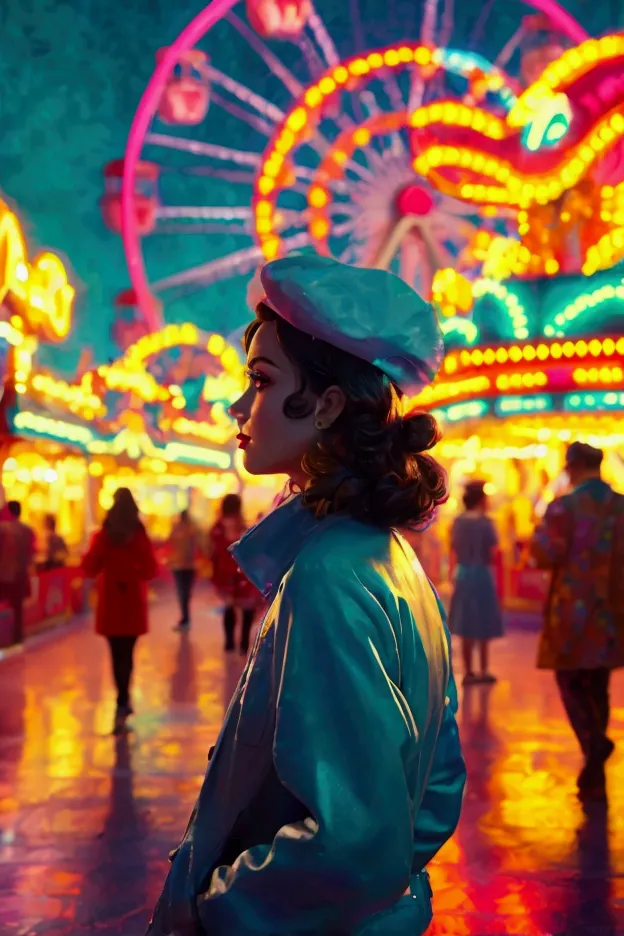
(338, 772)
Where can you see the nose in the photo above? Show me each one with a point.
(239, 410)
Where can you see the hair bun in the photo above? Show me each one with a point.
(420, 432)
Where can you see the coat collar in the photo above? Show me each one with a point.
(267, 550)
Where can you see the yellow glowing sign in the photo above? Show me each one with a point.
(39, 288)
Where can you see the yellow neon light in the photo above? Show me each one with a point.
(542, 351)
(560, 74)
(40, 288)
(516, 188)
(297, 125)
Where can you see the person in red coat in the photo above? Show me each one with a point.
(122, 559)
(234, 588)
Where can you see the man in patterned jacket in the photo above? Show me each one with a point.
(581, 538)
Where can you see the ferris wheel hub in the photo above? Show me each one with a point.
(414, 200)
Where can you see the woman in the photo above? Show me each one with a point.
(475, 613)
(338, 774)
(234, 588)
(122, 558)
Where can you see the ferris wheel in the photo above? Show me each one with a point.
(259, 134)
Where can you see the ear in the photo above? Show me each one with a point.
(329, 406)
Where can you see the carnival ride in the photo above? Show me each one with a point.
(322, 158)
(494, 185)
(540, 332)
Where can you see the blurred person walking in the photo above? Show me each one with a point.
(475, 613)
(56, 551)
(235, 590)
(122, 558)
(184, 547)
(17, 551)
(581, 540)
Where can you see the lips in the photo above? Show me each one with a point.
(243, 440)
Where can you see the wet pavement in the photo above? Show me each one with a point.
(86, 820)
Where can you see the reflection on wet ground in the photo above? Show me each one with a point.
(86, 820)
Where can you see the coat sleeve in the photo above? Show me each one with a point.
(93, 560)
(340, 731)
(551, 539)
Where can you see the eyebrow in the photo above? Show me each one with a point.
(264, 360)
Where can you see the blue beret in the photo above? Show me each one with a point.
(372, 314)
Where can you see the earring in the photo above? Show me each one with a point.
(319, 424)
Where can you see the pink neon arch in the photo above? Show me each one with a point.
(560, 18)
(189, 36)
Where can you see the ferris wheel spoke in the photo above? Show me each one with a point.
(369, 99)
(246, 96)
(323, 39)
(237, 263)
(212, 150)
(344, 122)
(446, 26)
(343, 209)
(347, 227)
(201, 228)
(417, 91)
(479, 26)
(339, 188)
(269, 58)
(321, 146)
(360, 171)
(510, 47)
(233, 176)
(258, 123)
(394, 93)
(316, 67)
(356, 19)
(429, 23)
(205, 212)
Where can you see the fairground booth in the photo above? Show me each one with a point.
(534, 346)
(153, 420)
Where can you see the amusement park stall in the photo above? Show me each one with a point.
(153, 420)
(534, 340)
(35, 305)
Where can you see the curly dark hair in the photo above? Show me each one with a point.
(370, 463)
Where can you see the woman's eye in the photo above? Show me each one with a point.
(260, 381)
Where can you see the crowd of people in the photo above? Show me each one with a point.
(475, 614)
(579, 540)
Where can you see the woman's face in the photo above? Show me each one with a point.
(271, 442)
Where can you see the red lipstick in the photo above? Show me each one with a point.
(243, 440)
